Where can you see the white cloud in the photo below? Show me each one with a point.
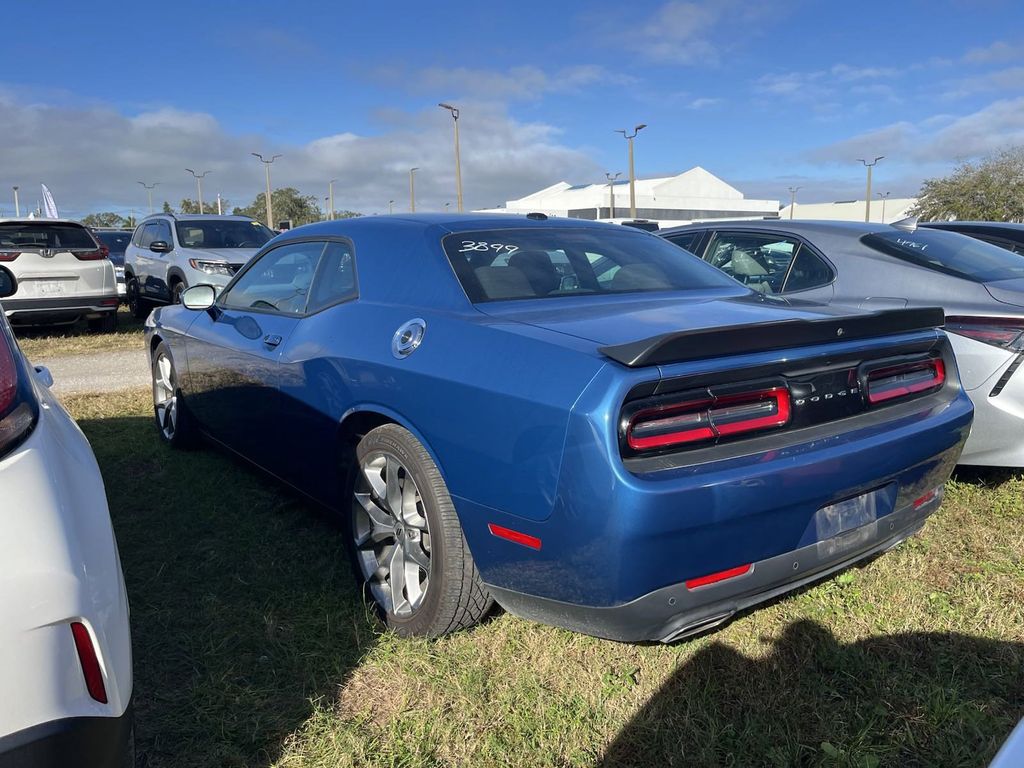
(935, 139)
(998, 51)
(93, 157)
(1009, 79)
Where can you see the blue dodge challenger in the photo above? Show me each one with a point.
(579, 421)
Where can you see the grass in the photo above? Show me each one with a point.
(55, 341)
(252, 646)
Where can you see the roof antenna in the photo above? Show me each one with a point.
(908, 224)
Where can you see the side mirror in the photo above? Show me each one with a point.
(199, 297)
(160, 246)
(8, 283)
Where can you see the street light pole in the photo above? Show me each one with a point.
(391, 206)
(17, 208)
(330, 195)
(149, 192)
(884, 196)
(270, 204)
(870, 166)
(412, 189)
(792, 200)
(611, 192)
(632, 173)
(458, 161)
(199, 185)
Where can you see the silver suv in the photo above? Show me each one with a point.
(169, 253)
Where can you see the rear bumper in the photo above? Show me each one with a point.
(63, 309)
(676, 611)
(100, 742)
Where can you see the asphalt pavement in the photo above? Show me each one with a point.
(97, 371)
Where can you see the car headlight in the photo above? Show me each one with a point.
(210, 267)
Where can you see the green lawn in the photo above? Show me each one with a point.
(54, 341)
(252, 646)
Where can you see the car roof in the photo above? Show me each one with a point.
(989, 226)
(199, 216)
(452, 222)
(792, 225)
(27, 220)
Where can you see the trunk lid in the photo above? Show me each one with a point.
(1007, 291)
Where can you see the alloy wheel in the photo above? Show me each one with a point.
(165, 395)
(392, 537)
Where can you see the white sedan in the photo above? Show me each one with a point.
(65, 644)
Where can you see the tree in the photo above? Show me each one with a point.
(289, 203)
(106, 219)
(188, 205)
(168, 208)
(992, 190)
(346, 215)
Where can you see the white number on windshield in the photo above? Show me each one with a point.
(473, 245)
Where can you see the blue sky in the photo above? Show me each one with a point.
(101, 95)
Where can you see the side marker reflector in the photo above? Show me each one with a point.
(90, 664)
(514, 536)
(714, 578)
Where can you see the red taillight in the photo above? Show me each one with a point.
(714, 578)
(514, 536)
(9, 255)
(8, 376)
(17, 413)
(1003, 332)
(699, 420)
(905, 379)
(90, 663)
(90, 255)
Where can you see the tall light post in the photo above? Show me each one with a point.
(412, 189)
(632, 173)
(611, 192)
(884, 196)
(391, 206)
(870, 166)
(149, 192)
(792, 199)
(17, 208)
(270, 204)
(199, 185)
(458, 161)
(330, 198)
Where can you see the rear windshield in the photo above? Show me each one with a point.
(29, 235)
(950, 253)
(116, 242)
(221, 233)
(543, 262)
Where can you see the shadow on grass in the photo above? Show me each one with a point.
(244, 611)
(987, 477)
(911, 699)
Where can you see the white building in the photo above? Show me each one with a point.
(890, 210)
(694, 195)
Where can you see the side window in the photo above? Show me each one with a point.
(808, 271)
(278, 282)
(687, 240)
(162, 231)
(149, 235)
(137, 237)
(335, 279)
(761, 261)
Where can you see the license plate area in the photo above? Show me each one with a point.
(846, 525)
(36, 288)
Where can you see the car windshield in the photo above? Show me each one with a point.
(221, 233)
(950, 253)
(42, 234)
(116, 242)
(545, 262)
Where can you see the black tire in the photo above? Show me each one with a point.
(455, 596)
(137, 305)
(105, 324)
(177, 288)
(178, 429)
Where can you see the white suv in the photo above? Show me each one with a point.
(63, 274)
(169, 253)
(65, 643)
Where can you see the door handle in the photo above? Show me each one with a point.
(271, 340)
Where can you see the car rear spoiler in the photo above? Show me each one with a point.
(761, 337)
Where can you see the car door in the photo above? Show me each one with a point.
(146, 265)
(157, 282)
(234, 349)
